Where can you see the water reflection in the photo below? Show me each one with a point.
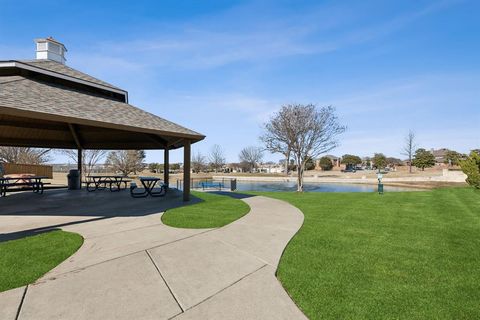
(311, 187)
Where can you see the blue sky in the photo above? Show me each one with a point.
(222, 67)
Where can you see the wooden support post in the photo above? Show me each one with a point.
(186, 170)
(79, 165)
(76, 138)
(166, 166)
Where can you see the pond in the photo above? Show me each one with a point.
(311, 187)
(224, 184)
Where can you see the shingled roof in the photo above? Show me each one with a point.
(48, 106)
(60, 68)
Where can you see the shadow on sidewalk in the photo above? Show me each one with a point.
(36, 209)
(36, 231)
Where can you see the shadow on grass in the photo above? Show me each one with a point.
(235, 195)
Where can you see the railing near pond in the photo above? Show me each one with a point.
(209, 184)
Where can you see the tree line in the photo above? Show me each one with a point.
(122, 161)
(300, 133)
(215, 161)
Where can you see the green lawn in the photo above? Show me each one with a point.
(25, 260)
(401, 255)
(215, 211)
(409, 255)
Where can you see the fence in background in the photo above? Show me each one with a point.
(38, 170)
(210, 184)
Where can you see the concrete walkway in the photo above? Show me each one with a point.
(138, 268)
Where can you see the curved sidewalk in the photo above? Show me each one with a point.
(138, 268)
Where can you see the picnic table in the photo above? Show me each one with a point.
(100, 182)
(21, 182)
(149, 184)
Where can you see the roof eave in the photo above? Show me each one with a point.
(72, 120)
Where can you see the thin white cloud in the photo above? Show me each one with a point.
(441, 108)
(247, 107)
(419, 91)
(205, 49)
(380, 30)
(203, 45)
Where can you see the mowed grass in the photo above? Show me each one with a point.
(408, 255)
(213, 212)
(25, 260)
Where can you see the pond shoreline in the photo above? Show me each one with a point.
(408, 182)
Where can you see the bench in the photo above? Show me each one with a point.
(149, 186)
(100, 183)
(36, 186)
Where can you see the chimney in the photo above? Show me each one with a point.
(51, 49)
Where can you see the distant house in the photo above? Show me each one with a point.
(336, 161)
(440, 155)
(232, 168)
(270, 167)
(366, 162)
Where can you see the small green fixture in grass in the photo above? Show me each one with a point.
(25, 260)
(215, 211)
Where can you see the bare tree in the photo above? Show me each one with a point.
(24, 155)
(307, 131)
(275, 138)
(90, 159)
(198, 162)
(409, 148)
(244, 166)
(216, 157)
(127, 161)
(252, 156)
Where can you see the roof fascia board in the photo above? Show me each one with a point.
(7, 64)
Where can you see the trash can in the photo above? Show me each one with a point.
(233, 185)
(380, 188)
(73, 179)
